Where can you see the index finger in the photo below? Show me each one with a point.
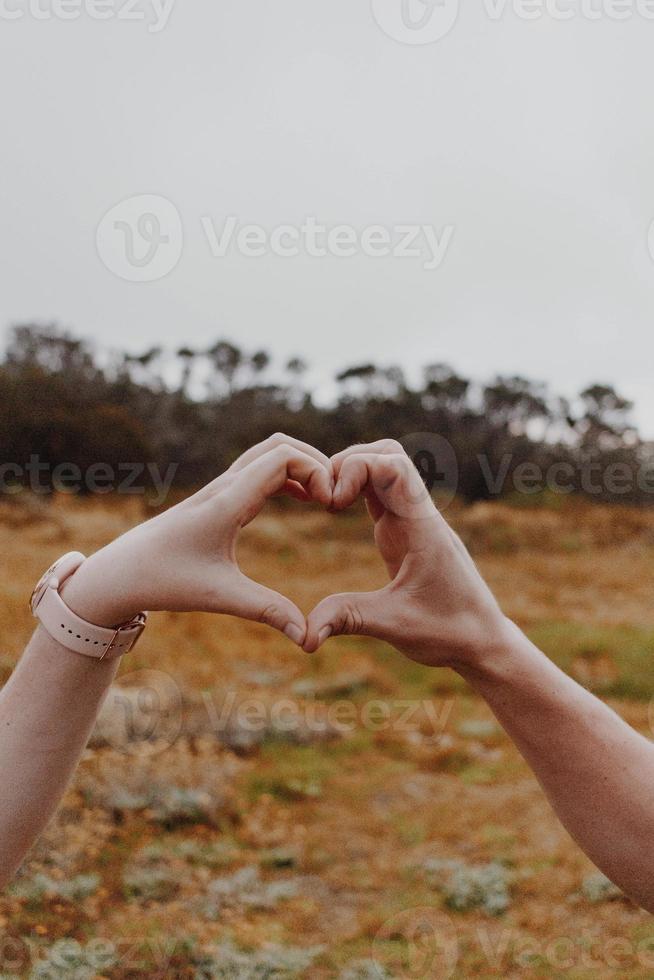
(382, 447)
(272, 442)
(390, 479)
(269, 474)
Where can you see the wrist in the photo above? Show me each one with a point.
(495, 657)
(100, 591)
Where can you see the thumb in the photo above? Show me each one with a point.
(251, 600)
(347, 613)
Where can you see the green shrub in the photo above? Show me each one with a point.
(154, 884)
(246, 888)
(364, 970)
(42, 886)
(226, 962)
(598, 888)
(69, 960)
(464, 887)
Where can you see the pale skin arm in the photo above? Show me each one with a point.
(182, 560)
(597, 772)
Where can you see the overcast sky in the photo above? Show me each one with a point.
(525, 146)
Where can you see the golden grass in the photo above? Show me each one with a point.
(348, 820)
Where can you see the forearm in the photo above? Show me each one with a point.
(597, 771)
(49, 706)
(47, 711)
(182, 560)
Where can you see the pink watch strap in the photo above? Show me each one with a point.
(76, 634)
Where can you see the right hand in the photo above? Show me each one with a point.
(436, 608)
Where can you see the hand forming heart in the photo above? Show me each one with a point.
(435, 608)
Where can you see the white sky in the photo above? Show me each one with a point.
(533, 139)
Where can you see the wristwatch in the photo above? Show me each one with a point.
(67, 628)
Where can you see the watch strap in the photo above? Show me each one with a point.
(68, 629)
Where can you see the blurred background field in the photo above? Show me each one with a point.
(246, 811)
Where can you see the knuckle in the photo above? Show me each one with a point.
(403, 467)
(282, 452)
(352, 463)
(271, 614)
(393, 446)
(348, 619)
(388, 469)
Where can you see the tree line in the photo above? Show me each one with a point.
(63, 400)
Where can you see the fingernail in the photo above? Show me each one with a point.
(324, 634)
(294, 633)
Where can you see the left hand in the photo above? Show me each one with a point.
(185, 558)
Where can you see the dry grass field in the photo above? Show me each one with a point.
(246, 811)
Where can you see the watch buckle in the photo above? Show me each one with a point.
(138, 623)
